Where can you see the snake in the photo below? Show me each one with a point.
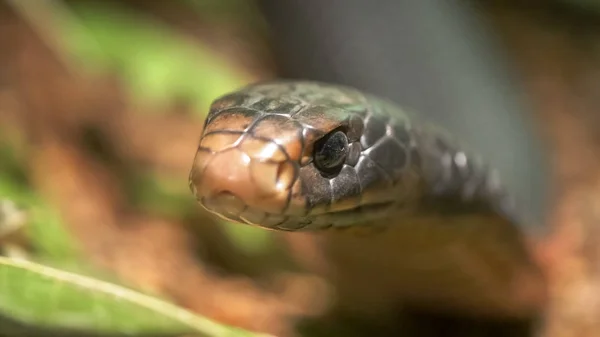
(312, 157)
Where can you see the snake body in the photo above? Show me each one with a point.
(308, 156)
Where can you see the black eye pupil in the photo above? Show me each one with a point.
(330, 152)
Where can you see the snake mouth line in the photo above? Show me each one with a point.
(229, 207)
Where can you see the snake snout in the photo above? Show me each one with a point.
(235, 184)
(217, 177)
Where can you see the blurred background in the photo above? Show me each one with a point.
(102, 104)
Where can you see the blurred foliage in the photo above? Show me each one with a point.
(44, 227)
(157, 64)
(227, 10)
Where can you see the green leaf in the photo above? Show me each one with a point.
(40, 296)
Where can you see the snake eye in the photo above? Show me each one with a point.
(330, 152)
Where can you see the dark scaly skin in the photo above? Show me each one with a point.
(457, 240)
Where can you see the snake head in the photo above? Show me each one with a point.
(299, 156)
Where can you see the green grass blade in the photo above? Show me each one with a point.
(41, 296)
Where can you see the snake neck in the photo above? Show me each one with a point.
(456, 181)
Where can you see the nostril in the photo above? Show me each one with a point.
(229, 202)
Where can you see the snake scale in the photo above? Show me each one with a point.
(305, 156)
